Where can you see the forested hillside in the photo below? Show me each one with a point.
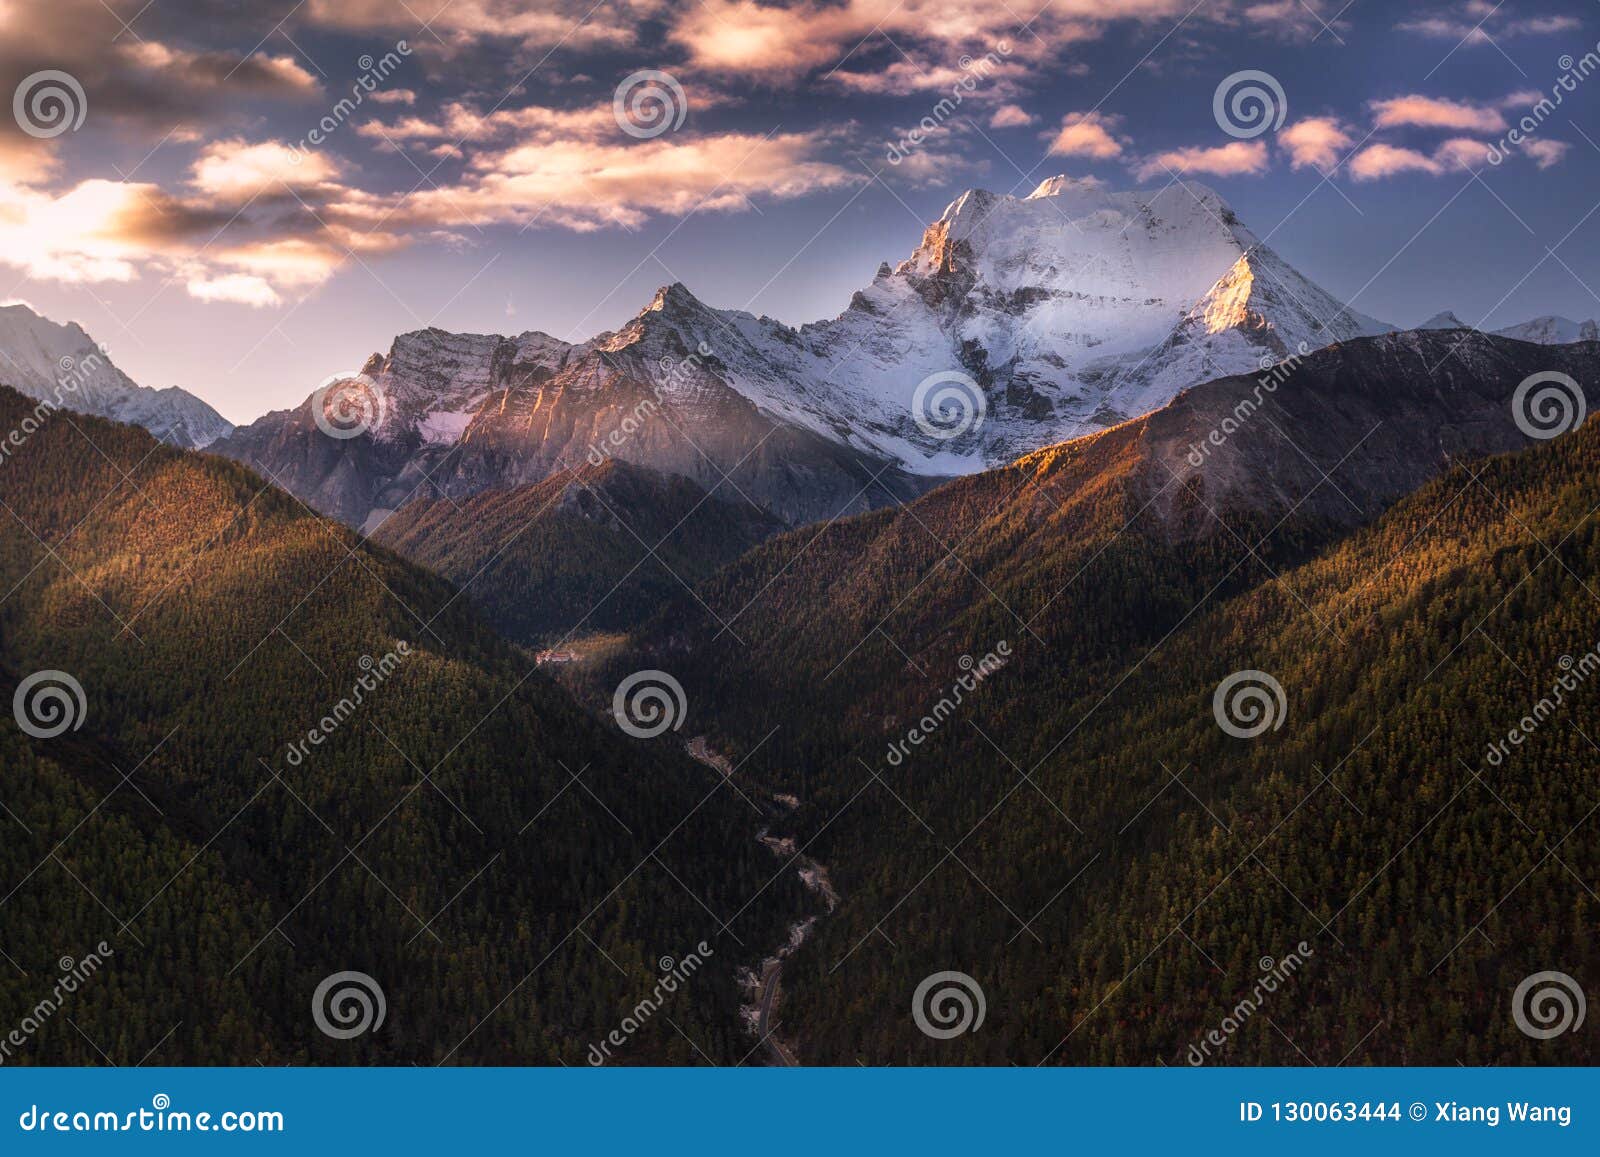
(595, 548)
(1121, 864)
(508, 869)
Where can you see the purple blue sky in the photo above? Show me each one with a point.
(485, 183)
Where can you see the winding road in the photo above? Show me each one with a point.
(769, 991)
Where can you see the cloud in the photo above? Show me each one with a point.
(1010, 116)
(233, 234)
(580, 24)
(95, 231)
(1462, 154)
(1087, 135)
(587, 184)
(1545, 153)
(26, 161)
(1436, 113)
(1456, 155)
(1291, 18)
(576, 168)
(771, 43)
(990, 77)
(236, 168)
(258, 72)
(145, 80)
(1377, 161)
(1476, 23)
(238, 288)
(1237, 159)
(1316, 143)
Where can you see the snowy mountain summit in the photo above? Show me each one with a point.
(1016, 323)
(61, 364)
(1070, 309)
(1552, 330)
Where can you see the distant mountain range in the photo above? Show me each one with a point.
(62, 364)
(1050, 315)
(1548, 330)
(1016, 323)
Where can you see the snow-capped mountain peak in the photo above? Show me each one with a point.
(62, 364)
(1056, 314)
(1552, 330)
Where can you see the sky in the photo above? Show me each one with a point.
(196, 183)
